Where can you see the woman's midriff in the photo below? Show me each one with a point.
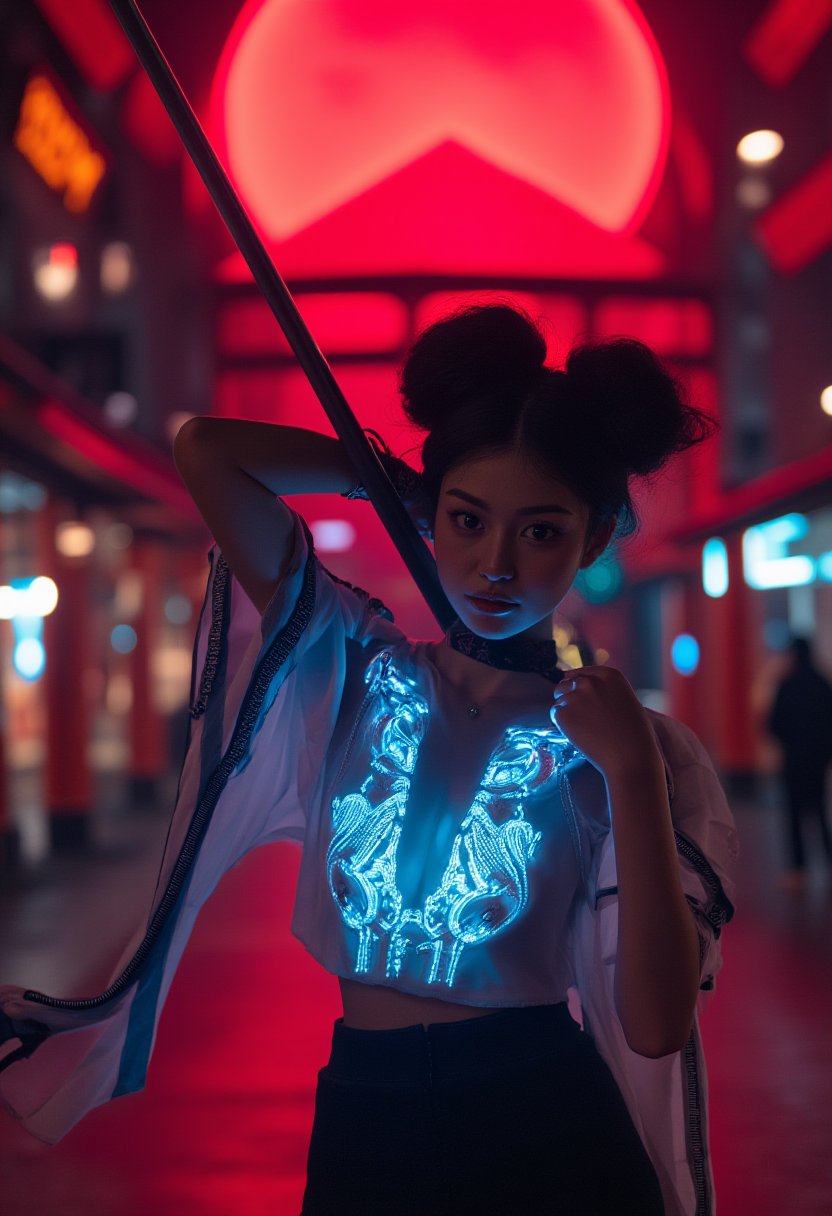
(373, 1007)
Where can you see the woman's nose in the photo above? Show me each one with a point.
(497, 566)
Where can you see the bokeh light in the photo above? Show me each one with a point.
(715, 567)
(116, 268)
(55, 271)
(333, 535)
(29, 658)
(760, 147)
(74, 539)
(684, 654)
(178, 609)
(121, 409)
(123, 639)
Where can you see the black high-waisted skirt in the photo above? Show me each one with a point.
(502, 1115)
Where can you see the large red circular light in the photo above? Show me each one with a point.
(315, 103)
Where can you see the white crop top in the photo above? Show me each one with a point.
(442, 856)
(446, 855)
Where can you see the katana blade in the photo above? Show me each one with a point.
(413, 550)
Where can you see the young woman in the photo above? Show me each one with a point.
(482, 831)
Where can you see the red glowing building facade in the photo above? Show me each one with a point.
(399, 161)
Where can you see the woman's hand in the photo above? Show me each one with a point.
(598, 711)
(407, 483)
(410, 488)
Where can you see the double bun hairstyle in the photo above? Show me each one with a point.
(477, 383)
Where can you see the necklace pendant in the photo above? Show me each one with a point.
(473, 711)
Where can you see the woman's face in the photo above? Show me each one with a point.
(509, 540)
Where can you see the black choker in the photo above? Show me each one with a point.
(512, 654)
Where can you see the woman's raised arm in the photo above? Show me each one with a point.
(233, 470)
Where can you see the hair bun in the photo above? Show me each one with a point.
(630, 398)
(483, 349)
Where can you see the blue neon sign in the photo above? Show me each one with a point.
(768, 554)
(766, 559)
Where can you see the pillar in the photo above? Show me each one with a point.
(68, 787)
(9, 844)
(149, 744)
(733, 638)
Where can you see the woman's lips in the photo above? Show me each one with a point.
(493, 607)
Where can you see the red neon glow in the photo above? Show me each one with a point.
(284, 395)
(93, 37)
(671, 327)
(346, 323)
(111, 458)
(146, 122)
(563, 318)
(63, 254)
(797, 228)
(694, 169)
(313, 105)
(450, 212)
(784, 36)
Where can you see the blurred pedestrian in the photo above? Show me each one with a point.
(801, 722)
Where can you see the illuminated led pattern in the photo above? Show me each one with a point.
(361, 859)
(484, 887)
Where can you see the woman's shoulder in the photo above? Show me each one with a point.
(373, 607)
(698, 801)
(382, 638)
(679, 744)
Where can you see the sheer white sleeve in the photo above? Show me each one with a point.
(265, 695)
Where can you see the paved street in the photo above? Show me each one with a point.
(221, 1128)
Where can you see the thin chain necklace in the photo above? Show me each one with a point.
(509, 654)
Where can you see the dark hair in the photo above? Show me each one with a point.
(476, 381)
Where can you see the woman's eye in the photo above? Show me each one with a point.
(465, 520)
(543, 531)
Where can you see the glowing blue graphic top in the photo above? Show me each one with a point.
(402, 926)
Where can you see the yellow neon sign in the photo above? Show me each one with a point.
(56, 146)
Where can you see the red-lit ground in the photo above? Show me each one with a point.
(221, 1128)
